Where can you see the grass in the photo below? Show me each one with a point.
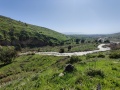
(13, 32)
(75, 48)
(35, 72)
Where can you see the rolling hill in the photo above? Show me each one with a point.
(13, 32)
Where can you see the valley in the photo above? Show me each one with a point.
(37, 58)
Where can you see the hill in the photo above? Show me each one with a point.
(114, 37)
(13, 32)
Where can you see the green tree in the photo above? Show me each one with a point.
(69, 48)
(77, 41)
(7, 55)
(61, 50)
(24, 35)
(18, 47)
(82, 41)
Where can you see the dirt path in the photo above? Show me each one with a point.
(100, 47)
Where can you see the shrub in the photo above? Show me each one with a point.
(79, 80)
(114, 68)
(36, 77)
(7, 55)
(74, 59)
(94, 73)
(18, 47)
(90, 56)
(69, 68)
(101, 56)
(114, 55)
(69, 48)
(61, 50)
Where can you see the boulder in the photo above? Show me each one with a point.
(69, 68)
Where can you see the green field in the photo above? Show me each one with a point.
(74, 48)
(35, 72)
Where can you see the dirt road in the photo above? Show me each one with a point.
(100, 47)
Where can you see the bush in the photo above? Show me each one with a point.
(101, 56)
(74, 59)
(69, 48)
(114, 55)
(7, 55)
(61, 50)
(90, 56)
(18, 47)
(94, 73)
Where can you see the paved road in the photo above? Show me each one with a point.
(100, 47)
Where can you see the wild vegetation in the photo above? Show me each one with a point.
(14, 33)
(97, 71)
(7, 54)
(35, 72)
(67, 48)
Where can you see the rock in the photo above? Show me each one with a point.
(61, 74)
(69, 68)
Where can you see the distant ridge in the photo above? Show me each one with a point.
(72, 33)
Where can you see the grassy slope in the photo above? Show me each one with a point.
(34, 72)
(7, 24)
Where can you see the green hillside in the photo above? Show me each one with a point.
(14, 32)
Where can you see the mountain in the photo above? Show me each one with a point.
(13, 32)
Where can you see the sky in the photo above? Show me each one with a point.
(66, 16)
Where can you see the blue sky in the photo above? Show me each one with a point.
(78, 16)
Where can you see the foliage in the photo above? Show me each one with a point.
(101, 56)
(69, 48)
(18, 47)
(114, 54)
(7, 55)
(74, 48)
(61, 50)
(93, 73)
(77, 41)
(14, 32)
(35, 72)
(74, 59)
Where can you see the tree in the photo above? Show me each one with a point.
(69, 48)
(24, 35)
(77, 41)
(82, 41)
(107, 41)
(7, 55)
(18, 47)
(61, 50)
(11, 32)
(4, 33)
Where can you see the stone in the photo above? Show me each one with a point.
(69, 68)
(61, 74)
